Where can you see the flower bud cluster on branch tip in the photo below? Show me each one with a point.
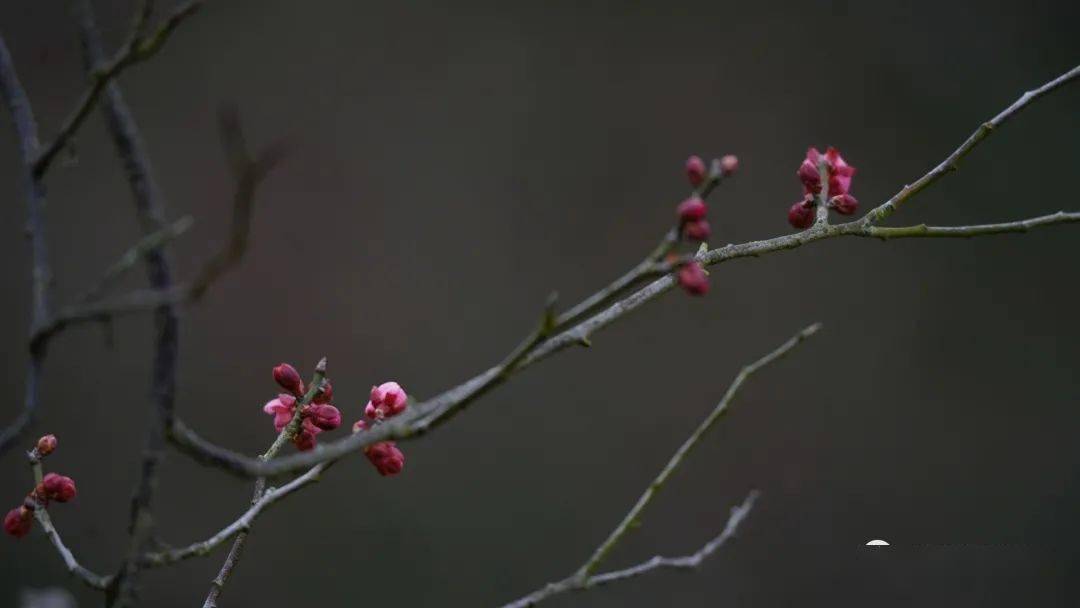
(387, 400)
(839, 173)
(46, 445)
(315, 417)
(53, 487)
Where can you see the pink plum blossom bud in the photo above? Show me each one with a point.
(305, 438)
(371, 411)
(691, 210)
(289, 379)
(323, 415)
(801, 214)
(386, 457)
(693, 280)
(18, 522)
(325, 393)
(845, 204)
(46, 445)
(360, 425)
(729, 164)
(388, 399)
(697, 231)
(840, 173)
(808, 171)
(58, 487)
(281, 409)
(695, 170)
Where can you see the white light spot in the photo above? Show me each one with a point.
(877, 543)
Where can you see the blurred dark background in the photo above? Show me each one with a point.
(455, 162)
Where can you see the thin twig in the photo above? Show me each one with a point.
(287, 433)
(585, 576)
(685, 562)
(952, 162)
(151, 242)
(91, 579)
(633, 517)
(139, 48)
(241, 525)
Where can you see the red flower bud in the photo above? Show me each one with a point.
(697, 231)
(360, 425)
(289, 379)
(691, 210)
(58, 487)
(325, 393)
(801, 214)
(693, 280)
(324, 416)
(18, 522)
(729, 164)
(386, 457)
(808, 172)
(845, 204)
(305, 438)
(695, 170)
(46, 445)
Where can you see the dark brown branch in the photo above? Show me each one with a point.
(137, 49)
(151, 242)
(150, 209)
(22, 115)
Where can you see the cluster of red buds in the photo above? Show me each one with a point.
(387, 400)
(315, 417)
(53, 486)
(839, 173)
(691, 212)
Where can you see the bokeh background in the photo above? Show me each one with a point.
(455, 162)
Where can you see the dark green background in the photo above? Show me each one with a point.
(454, 162)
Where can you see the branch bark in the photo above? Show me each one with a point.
(137, 49)
(22, 115)
(586, 577)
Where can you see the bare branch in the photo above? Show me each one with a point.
(151, 242)
(41, 514)
(150, 210)
(241, 525)
(685, 562)
(952, 162)
(286, 434)
(139, 48)
(634, 516)
(585, 576)
(436, 411)
(92, 580)
(22, 115)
